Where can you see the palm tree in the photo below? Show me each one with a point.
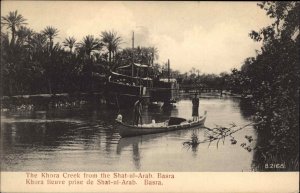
(89, 44)
(13, 21)
(38, 43)
(112, 42)
(39, 56)
(198, 72)
(70, 42)
(24, 35)
(154, 54)
(50, 32)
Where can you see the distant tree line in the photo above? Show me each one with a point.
(32, 63)
(195, 78)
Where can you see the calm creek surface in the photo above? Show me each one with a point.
(84, 139)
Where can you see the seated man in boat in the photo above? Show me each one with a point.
(119, 118)
(195, 112)
(137, 112)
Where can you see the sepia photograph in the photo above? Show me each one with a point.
(149, 86)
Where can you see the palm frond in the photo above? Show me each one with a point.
(13, 20)
(50, 32)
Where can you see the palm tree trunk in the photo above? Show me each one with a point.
(49, 86)
(109, 56)
(152, 59)
(13, 32)
(91, 82)
(51, 46)
(10, 87)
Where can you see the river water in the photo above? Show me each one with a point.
(84, 139)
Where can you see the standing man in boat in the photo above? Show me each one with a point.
(137, 112)
(195, 112)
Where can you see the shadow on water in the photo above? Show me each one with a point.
(247, 109)
(50, 135)
(137, 143)
(133, 143)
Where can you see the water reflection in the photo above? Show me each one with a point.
(247, 109)
(136, 156)
(133, 143)
(85, 139)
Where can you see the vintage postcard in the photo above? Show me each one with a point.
(149, 96)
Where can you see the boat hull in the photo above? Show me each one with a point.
(130, 130)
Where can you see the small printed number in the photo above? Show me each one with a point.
(274, 166)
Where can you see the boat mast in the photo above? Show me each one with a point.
(168, 70)
(132, 54)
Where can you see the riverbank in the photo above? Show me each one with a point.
(49, 101)
(76, 100)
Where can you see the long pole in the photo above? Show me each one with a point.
(132, 54)
(168, 70)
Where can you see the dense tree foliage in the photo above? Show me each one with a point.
(32, 63)
(272, 77)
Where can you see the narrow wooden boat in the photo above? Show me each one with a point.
(174, 123)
